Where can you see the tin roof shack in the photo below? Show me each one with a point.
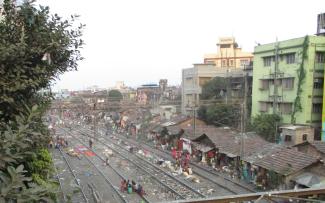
(315, 148)
(177, 124)
(229, 146)
(279, 167)
(203, 149)
(293, 134)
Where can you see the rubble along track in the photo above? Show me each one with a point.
(62, 192)
(182, 189)
(227, 183)
(82, 194)
(209, 184)
(124, 199)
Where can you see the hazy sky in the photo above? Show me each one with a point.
(141, 41)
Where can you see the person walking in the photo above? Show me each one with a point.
(90, 143)
(123, 186)
(129, 187)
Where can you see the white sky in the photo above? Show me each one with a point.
(141, 41)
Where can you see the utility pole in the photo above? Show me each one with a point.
(94, 115)
(227, 81)
(194, 115)
(242, 131)
(245, 95)
(275, 81)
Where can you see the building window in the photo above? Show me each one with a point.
(223, 63)
(304, 137)
(209, 62)
(264, 84)
(268, 61)
(287, 138)
(318, 83)
(287, 83)
(290, 58)
(231, 62)
(320, 57)
(317, 108)
(285, 108)
(244, 62)
(224, 45)
(264, 106)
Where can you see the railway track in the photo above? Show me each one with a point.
(79, 196)
(203, 171)
(62, 192)
(228, 184)
(107, 176)
(180, 188)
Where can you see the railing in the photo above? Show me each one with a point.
(319, 66)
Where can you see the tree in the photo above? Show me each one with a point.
(35, 48)
(265, 125)
(214, 89)
(115, 94)
(220, 114)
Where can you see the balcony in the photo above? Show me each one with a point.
(319, 67)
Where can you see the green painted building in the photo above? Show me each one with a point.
(288, 78)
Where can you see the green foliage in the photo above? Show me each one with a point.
(34, 49)
(220, 114)
(22, 140)
(265, 125)
(214, 89)
(41, 163)
(115, 94)
(301, 77)
(16, 187)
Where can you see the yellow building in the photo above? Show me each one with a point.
(228, 55)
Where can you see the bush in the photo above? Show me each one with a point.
(265, 125)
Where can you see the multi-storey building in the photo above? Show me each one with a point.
(229, 61)
(149, 94)
(288, 79)
(228, 55)
(194, 78)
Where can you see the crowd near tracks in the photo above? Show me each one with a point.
(175, 187)
(228, 185)
(181, 189)
(232, 186)
(91, 180)
(107, 174)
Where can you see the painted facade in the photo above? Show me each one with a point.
(229, 55)
(299, 80)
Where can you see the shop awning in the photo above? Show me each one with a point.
(203, 148)
(309, 179)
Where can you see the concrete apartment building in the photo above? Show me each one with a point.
(288, 79)
(194, 78)
(228, 55)
(228, 62)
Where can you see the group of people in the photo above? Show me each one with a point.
(182, 159)
(129, 187)
(59, 142)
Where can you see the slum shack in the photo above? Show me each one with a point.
(203, 149)
(279, 167)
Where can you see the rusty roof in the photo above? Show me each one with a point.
(229, 141)
(319, 145)
(285, 161)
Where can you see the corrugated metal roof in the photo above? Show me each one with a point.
(286, 161)
(319, 145)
